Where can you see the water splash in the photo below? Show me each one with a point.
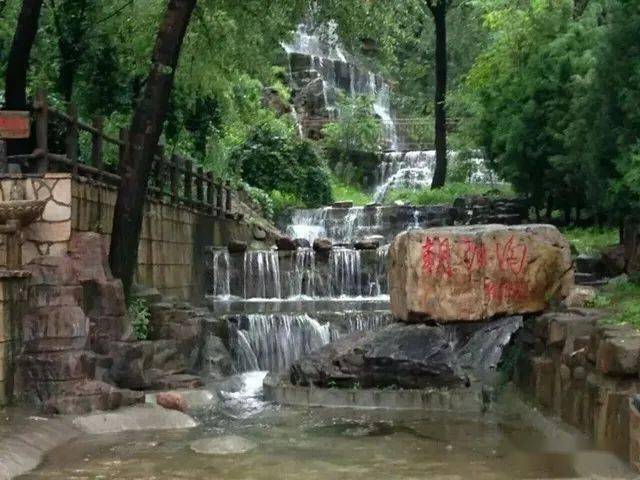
(276, 340)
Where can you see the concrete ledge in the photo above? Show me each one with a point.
(23, 451)
(278, 389)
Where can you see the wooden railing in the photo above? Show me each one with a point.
(85, 150)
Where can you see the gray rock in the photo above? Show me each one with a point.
(143, 417)
(285, 243)
(322, 244)
(342, 204)
(237, 246)
(407, 356)
(302, 243)
(229, 445)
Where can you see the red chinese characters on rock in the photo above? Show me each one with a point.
(506, 290)
(436, 257)
(511, 256)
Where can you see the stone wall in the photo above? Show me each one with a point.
(171, 252)
(584, 371)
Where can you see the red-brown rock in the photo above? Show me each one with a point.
(474, 273)
(172, 401)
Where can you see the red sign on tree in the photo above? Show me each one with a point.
(14, 124)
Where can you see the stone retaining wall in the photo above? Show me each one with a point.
(172, 240)
(584, 371)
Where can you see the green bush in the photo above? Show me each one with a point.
(273, 160)
(140, 316)
(448, 193)
(357, 129)
(284, 201)
(262, 199)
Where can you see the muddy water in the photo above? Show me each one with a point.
(330, 444)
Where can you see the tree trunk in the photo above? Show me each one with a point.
(15, 87)
(145, 130)
(439, 11)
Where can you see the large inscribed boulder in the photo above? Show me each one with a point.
(476, 272)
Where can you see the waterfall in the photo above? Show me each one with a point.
(346, 272)
(221, 273)
(358, 321)
(379, 284)
(411, 170)
(261, 274)
(275, 340)
(308, 224)
(303, 277)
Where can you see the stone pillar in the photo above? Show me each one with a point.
(13, 298)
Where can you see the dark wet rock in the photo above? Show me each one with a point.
(342, 204)
(237, 246)
(367, 244)
(215, 358)
(407, 356)
(613, 260)
(372, 206)
(302, 243)
(322, 245)
(286, 243)
(174, 381)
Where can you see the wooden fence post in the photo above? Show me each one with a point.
(96, 142)
(188, 178)
(228, 203)
(71, 139)
(4, 165)
(41, 110)
(220, 198)
(173, 177)
(199, 185)
(209, 198)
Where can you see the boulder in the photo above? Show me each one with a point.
(580, 296)
(259, 233)
(368, 243)
(613, 260)
(619, 356)
(322, 245)
(302, 243)
(89, 396)
(342, 204)
(285, 243)
(477, 272)
(237, 246)
(172, 401)
(405, 356)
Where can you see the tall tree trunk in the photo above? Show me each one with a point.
(439, 12)
(146, 127)
(15, 87)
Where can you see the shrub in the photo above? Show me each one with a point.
(357, 129)
(273, 160)
(140, 316)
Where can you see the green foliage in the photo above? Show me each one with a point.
(357, 129)
(273, 159)
(140, 316)
(447, 194)
(343, 191)
(550, 101)
(623, 300)
(284, 201)
(262, 199)
(591, 240)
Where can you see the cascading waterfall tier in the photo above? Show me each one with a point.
(274, 341)
(302, 274)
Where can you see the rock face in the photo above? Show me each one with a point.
(406, 356)
(474, 273)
